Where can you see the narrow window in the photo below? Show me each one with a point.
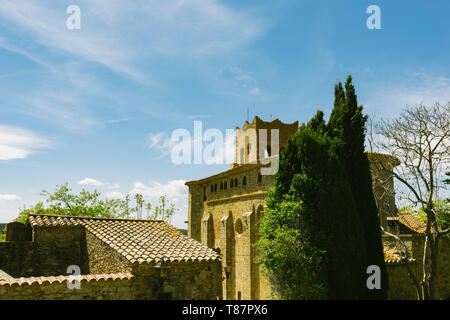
(231, 183)
(244, 181)
(221, 186)
(204, 193)
(225, 185)
(236, 182)
(212, 188)
(259, 177)
(215, 187)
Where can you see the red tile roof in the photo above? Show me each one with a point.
(62, 279)
(139, 241)
(412, 222)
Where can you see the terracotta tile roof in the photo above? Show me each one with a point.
(393, 257)
(62, 279)
(139, 241)
(412, 222)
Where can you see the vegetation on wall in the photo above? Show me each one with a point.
(313, 233)
(2, 232)
(91, 204)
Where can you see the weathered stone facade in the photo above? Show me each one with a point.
(225, 209)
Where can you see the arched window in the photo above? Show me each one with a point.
(259, 177)
(236, 182)
(221, 186)
(212, 188)
(215, 187)
(244, 180)
(231, 183)
(225, 185)
(204, 193)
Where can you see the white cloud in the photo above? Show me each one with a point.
(115, 195)
(9, 197)
(98, 183)
(411, 89)
(91, 182)
(18, 143)
(176, 192)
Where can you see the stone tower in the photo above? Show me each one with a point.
(257, 140)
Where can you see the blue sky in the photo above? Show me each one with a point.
(95, 107)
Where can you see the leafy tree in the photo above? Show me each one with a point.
(89, 204)
(3, 235)
(348, 123)
(311, 236)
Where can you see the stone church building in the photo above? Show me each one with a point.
(224, 211)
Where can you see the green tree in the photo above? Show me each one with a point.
(163, 211)
(348, 123)
(90, 204)
(312, 243)
(3, 235)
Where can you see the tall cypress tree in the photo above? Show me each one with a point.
(347, 122)
(311, 235)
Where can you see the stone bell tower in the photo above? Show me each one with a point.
(258, 139)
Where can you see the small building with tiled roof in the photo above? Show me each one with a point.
(151, 258)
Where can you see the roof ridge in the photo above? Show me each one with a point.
(94, 218)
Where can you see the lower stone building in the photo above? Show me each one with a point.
(114, 258)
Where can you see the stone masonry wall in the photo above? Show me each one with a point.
(103, 259)
(401, 285)
(183, 281)
(48, 255)
(92, 287)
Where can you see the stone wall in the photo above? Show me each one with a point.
(92, 287)
(103, 259)
(49, 254)
(401, 285)
(182, 281)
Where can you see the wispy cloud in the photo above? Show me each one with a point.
(161, 142)
(9, 197)
(411, 89)
(118, 120)
(18, 143)
(108, 32)
(245, 79)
